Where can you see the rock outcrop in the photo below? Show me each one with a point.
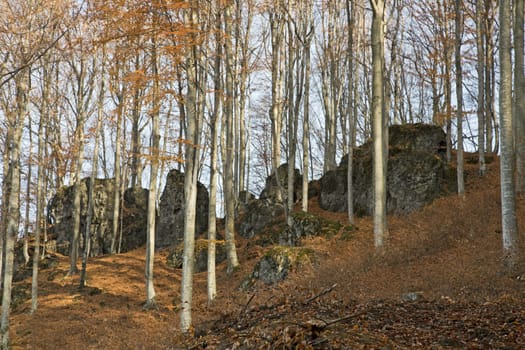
(415, 175)
(275, 265)
(271, 188)
(258, 214)
(170, 223)
(133, 227)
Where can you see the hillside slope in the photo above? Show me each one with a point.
(438, 284)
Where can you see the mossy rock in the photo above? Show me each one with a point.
(306, 225)
(175, 257)
(276, 264)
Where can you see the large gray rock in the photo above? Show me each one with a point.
(306, 225)
(275, 265)
(133, 226)
(170, 226)
(259, 215)
(271, 189)
(415, 174)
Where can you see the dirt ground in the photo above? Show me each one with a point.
(439, 283)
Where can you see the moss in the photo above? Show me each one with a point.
(347, 232)
(327, 228)
(298, 256)
(330, 228)
(305, 256)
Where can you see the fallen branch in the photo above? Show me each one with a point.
(316, 327)
(243, 311)
(323, 292)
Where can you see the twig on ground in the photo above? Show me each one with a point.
(243, 311)
(323, 292)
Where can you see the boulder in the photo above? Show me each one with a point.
(175, 257)
(271, 189)
(306, 225)
(259, 215)
(416, 172)
(276, 264)
(133, 227)
(273, 267)
(170, 224)
(134, 218)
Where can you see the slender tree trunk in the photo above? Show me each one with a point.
(28, 193)
(87, 230)
(380, 222)
(519, 94)
(13, 201)
(448, 104)
(154, 169)
(40, 186)
(194, 121)
(459, 97)
(214, 125)
(292, 136)
(117, 173)
(480, 68)
(135, 132)
(229, 194)
(350, 15)
(73, 269)
(490, 78)
(277, 85)
(508, 198)
(306, 110)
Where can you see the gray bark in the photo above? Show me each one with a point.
(480, 68)
(459, 97)
(193, 120)
(519, 95)
(508, 197)
(379, 130)
(13, 201)
(229, 194)
(154, 168)
(214, 125)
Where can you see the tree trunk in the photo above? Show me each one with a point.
(13, 201)
(154, 168)
(229, 194)
(214, 125)
(519, 95)
(277, 34)
(117, 172)
(490, 77)
(79, 137)
(480, 68)
(508, 198)
(350, 15)
(459, 97)
(380, 222)
(40, 186)
(136, 166)
(306, 108)
(194, 120)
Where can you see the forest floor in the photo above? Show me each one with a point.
(440, 283)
